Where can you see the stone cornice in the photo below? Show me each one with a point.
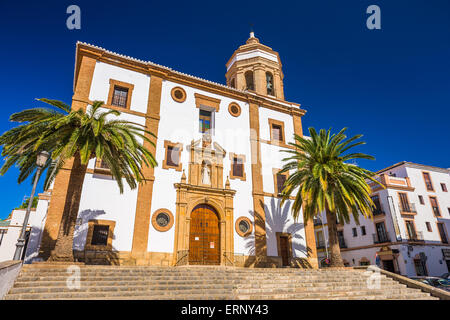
(147, 67)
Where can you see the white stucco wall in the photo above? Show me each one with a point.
(179, 123)
(35, 224)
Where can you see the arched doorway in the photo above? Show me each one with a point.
(204, 236)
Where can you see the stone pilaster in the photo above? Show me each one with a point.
(145, 189)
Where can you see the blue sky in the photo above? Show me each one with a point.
(392, 85)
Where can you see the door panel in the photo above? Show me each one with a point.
(284, 248)
(204, 238)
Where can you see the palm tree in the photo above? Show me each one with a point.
(77, 136)
(325, 181)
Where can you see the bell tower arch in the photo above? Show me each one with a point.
(256, 67)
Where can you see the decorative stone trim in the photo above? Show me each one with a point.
(231, 173)
(234, 109)
(111, 224)
(250, 227)
(206, 101)
(276, 171)
(283, 137)
(177, 91)
(155, 223)
(168, 144)
(112, 84)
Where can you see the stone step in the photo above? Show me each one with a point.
(197, 287)
(309, 282)
(262, 275)
(43, 281)
(184, 271)
(212, 294)
(125, 282)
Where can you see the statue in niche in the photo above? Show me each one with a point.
(206, 174)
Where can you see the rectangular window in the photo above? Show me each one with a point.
(172, 156)
(276, 133)
(421, 200)
(355, 233)
(2, 234)
(100, 235)
(381, 232)
(404, 202)
(376, 201)
(427, 179)
(120, 97)
(444, 187)
(363, 230)
(411, 230)
(341, 239)
(281, 179)
(442, 233)
(276, 128)
(428, 226)
(238, 167)
(320, 239)
(435, 206)
(205, 121)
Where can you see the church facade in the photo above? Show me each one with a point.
(214, 196)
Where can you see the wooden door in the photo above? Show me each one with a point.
(204, 237)
(388, 265)
(284, 248)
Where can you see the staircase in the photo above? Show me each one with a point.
(43, 281)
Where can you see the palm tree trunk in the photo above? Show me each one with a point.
(64, 243)
(335, 250)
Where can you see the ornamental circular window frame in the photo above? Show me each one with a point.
(234, 114)
(250, 227)
(155, 223)
(172, 93)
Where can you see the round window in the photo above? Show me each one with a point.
(243, 226)
(162, 220)
(178, 94)
(234, 109)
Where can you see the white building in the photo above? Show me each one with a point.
(218, 157)
(11, 227)
(410, 227)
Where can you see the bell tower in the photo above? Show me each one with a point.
(256, 67)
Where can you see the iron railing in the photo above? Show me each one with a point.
(415, 236)
(407, 207)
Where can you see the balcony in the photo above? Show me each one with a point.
(414, 237)
(378, 212)
(407, 208)
(380, 238)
